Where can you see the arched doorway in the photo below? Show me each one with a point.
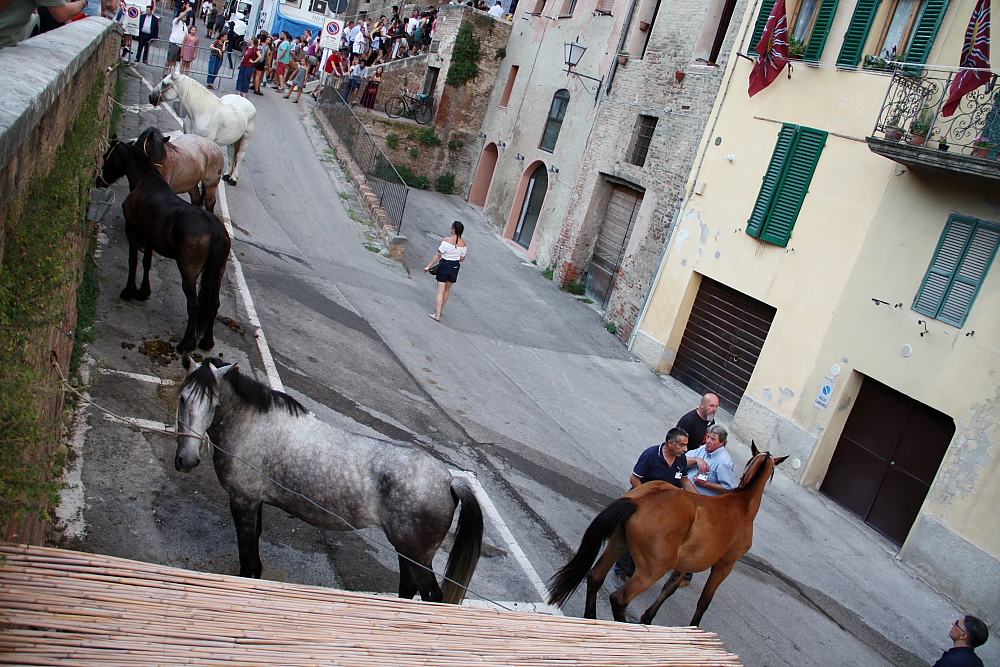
(531, 206)
(484, 175)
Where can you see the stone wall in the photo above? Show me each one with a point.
(668, 83)
(60, 75)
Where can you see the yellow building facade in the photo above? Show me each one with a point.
(866, 342)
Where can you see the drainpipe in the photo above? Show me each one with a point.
(621, 43)
(690, 190)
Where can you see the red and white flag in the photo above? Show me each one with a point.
(975, 53)
(772, 49)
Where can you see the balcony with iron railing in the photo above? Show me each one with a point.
(912, 130)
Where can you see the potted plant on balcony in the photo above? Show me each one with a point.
(796, 48)
(893, 128)
(942, 142)
(623, 57)
(982, 146)
(920, 127)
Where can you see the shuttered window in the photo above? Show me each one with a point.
(758, 28)
(963, 256)
(926, 32)
(820, 31)
(605, 6)
(786, 183)
(857, 33)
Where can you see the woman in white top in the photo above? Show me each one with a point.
(451, 252)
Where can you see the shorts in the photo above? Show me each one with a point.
(313, 61)
(280, 70)
(173, 52)
(448, 271)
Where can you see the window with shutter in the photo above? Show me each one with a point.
(820, 31)
(605, 6)
(786, 183)
(857, 33)
(961, 261)
(927, 29)
(758, 29)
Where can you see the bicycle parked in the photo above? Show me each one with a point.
(418, 107)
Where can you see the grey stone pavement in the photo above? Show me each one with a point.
(530, 370)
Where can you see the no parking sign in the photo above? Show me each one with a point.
(130, 19)
(331, 34)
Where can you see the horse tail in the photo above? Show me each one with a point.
(152, 143)
(468, 543)
(567, 579)
(211, 278)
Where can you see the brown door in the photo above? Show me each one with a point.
(886, 459)
(612, 240)
(722, 342)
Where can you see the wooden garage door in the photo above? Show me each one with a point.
(722, 342)
(887, 457)
(623, 207)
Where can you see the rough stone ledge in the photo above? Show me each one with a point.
(44, 66)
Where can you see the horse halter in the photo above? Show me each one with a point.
(177, 430)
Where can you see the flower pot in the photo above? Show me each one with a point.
(644, 25)
(978, 151)
(679, 75)
(917, 139)
(942, 147)
(622, 58)
(893, 133)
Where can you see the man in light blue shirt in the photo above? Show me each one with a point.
(709, 467)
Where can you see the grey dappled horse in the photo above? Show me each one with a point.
(368, 482)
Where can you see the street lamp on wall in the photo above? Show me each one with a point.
(573, 53)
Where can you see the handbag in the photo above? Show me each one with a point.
(434, 269)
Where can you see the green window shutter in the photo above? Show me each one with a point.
(794, 184)
(926, 31)
(820, 31)
(771, 179)
(961, 261)
(857, 33)
(758, 28)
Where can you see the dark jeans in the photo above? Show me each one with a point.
(244, 78)
(213, 68)
(142, 51)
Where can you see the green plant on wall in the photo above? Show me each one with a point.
(445, 183)
(413, 180)
(414, 153)
(501, 53)
(465, 58)
(392, 141)
(454, 145)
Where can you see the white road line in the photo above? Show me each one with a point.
(512, 546)
(152, 379)
(241, 282)
(135, 421)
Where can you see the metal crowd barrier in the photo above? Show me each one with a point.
(157, 59)
(380, 174)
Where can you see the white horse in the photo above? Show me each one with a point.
(227, 121)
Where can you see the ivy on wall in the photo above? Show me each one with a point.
(464, 58)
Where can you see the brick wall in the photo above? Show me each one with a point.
(649, 86)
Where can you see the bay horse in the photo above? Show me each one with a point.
(160, 221)
(271, 450)
(228, 121)
(190, 163)
(667, 528)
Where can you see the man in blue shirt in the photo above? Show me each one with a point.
(966, 635)
(710, 466)
(665, 463)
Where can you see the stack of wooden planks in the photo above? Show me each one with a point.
(71, 608)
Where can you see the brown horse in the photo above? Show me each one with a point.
(189, 163)
(667, 528)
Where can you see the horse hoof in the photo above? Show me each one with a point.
(225, 177)
(206, 344)
(231, 181)
(127, 295)
(185, 346)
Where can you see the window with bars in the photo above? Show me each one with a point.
(786, 183)
(961, 261)
(641, 136)
(554, 124)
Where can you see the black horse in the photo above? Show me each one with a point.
(158, 220)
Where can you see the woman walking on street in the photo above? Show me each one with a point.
(451, 254)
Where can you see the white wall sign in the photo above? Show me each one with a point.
(825, 393)
(332, 31)
(130, 19)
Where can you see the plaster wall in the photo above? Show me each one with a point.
(536, 47)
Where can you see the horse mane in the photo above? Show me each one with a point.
(745, 485)
(257, 394)
(198, 96)
(154, 144)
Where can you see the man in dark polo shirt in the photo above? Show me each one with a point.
(697, 421)
(666, 462)
(967, 634)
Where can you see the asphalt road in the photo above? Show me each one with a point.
(512, 387)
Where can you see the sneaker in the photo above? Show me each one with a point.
(257, 92)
